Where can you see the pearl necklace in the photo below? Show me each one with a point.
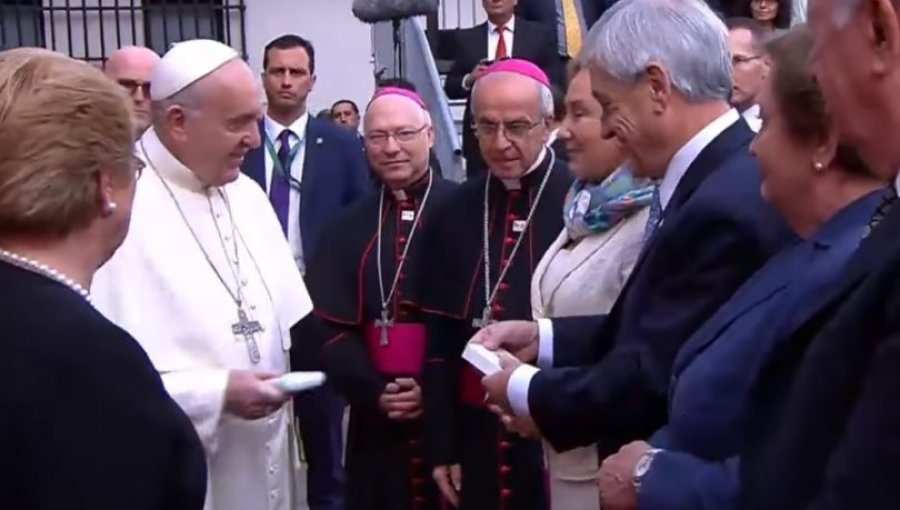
(44, 270)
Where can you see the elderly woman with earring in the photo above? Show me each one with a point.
(587, 266)
(827, 196)
(86, 421)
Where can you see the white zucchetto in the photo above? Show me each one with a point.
(186, 63)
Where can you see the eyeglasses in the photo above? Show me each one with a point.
(513, 131)
(380, 138)
(737, 60)
(132, 86)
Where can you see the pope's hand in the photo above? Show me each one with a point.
(520, 338)
(250, 395)
(449, 481)
(401, 399)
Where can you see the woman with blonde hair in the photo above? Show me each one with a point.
(587, 266)
(86, 421)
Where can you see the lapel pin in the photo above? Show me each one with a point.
(319, 141)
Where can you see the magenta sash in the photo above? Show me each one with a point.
(404, 354)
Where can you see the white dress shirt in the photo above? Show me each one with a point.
(493, 37)
(751, 115)
(298, 129)
(520, 380)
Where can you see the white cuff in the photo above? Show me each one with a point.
(464, 80)
(517, 390)
(545, 343)
(201, 395)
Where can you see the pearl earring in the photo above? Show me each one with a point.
(111, 207)
(818, 166)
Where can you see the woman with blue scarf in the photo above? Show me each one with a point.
(584, 270)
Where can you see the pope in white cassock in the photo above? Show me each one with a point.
(205, 280)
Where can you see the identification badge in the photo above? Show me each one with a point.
(519, 226)
(407, 215)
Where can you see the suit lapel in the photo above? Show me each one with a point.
(255, 161)
(710, 158)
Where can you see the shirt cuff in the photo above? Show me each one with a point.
(545, 343)
(517, 390)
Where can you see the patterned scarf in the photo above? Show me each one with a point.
(592, 208)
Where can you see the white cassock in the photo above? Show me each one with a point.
(161, 288)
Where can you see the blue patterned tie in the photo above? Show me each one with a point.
(655, 215)
(280, 189)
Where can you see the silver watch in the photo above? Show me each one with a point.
(642, 467)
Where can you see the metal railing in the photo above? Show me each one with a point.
(92, 29)
(460, 14)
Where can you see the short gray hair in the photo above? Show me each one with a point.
(684, 36)
(544, 92)
(189, 99)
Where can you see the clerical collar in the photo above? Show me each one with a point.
(298, 127)
(517, 183)
(155, 154)
(414, 190)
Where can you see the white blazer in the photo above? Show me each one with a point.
(583, 280)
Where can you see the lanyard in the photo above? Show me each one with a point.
(284, 173)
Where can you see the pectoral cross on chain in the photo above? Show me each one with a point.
(246, 328)
(384, 323)
(485, 319)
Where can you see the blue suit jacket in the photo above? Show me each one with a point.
(335, 174)
(715, 370)
(716, 232)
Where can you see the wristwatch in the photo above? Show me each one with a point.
(642, 467)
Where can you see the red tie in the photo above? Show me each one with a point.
(501, 43)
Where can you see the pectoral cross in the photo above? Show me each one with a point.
(384, 323)
(485, 319)
(246, 328)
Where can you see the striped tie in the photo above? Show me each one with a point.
(573, 28)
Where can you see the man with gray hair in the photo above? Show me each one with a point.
(824, 431)
(205, 280)
(662, 71)
(480, 253)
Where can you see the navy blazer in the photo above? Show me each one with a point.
(823, 427)
(716, 369)
(335, 174)
(715, 233)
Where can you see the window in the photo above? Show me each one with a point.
(170, 21)
(21, 23)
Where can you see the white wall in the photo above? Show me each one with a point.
(343, 44)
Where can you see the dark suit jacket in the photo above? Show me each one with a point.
(823, 433)
(544, 12)
(716, 368)
(715, 233)
(87, 423)
(531, 41)
(335, 174)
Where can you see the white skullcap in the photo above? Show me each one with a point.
(185, 63)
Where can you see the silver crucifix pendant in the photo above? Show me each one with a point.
(485, 319)
(384, 323)
(246, 328)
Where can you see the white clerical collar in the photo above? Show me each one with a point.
(509, 26)
(751, 115)
(298, 127)
(685, 156)
(513, 184)
(161, 159)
